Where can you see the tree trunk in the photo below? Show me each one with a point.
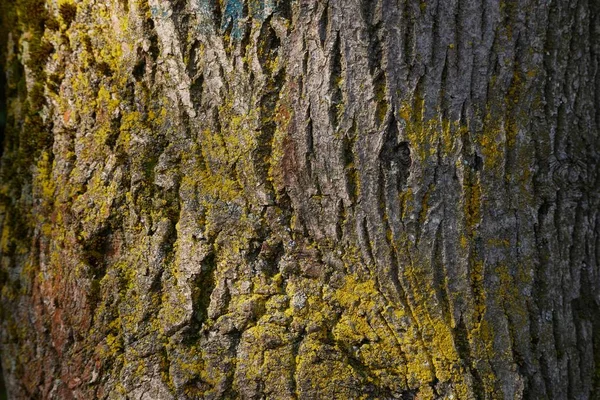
(300, 199)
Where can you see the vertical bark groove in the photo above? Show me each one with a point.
(295, 199)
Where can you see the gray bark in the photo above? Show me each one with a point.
(301, 199)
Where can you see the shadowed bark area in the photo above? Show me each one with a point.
(373, 199)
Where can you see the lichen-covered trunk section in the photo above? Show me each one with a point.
(300, 199)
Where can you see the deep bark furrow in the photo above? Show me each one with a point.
(220, 199)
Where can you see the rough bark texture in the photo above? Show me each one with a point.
(301, 199)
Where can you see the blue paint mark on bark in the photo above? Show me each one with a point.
(233, 15)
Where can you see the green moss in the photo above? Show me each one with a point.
(39, 51)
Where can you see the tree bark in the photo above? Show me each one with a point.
(300, 199)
